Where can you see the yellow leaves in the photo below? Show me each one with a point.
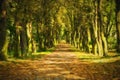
(19, 27)
(105, 19)
(52, 21)
(61, 16)
(62, 11)
(59, 19)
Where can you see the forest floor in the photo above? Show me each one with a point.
(65, 63)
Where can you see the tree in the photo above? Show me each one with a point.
(85, 24)
(3, 32)
(118, 24)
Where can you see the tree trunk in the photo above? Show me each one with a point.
(105, 46)
(17, 40)
(23, 40)
(95, 29)
(102, 33)
(99, 42)
(3, 36)
(39, 39)
(31, 43)
(88, 40)
(118, 24)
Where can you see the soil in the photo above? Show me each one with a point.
(62, 64)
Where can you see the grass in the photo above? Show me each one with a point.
(34, 56)
(41, 54)
(89, 57)
(97, 59)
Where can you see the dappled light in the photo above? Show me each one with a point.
(62, 65)
(59, 39)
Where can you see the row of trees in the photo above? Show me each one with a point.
(33, 25)
(94, 23)
(27, 26)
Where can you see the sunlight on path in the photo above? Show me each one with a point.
(62, 64)
(55, 65)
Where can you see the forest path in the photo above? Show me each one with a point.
(57, 64)
(54, 66)
(61, 64)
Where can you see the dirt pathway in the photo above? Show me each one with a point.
(57, 64)
(62, 64)
(54, 66)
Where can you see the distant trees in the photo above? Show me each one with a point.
(33, 26)
(99, 41)
(92, 24)
(36, 25)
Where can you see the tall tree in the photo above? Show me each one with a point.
(118, 24)
(3, 28)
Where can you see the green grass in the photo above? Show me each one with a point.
(33, 56)
(86, 56)
(39, 55)
(89, 57)
(112, 57)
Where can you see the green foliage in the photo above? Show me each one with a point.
(38, 25)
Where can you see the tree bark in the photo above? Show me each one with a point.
(23, 40)
(95, 29)
(118, 24)
(3, 35)
(99, 41)
(17, 40)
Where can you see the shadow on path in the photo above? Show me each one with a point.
(62, 64)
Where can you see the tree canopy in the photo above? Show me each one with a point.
(27, 26)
